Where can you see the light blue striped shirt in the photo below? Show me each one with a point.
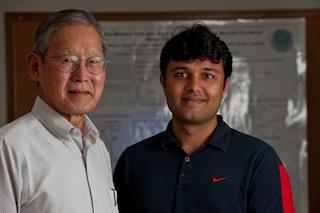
(48, 166)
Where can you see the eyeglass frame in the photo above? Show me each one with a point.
(76, 64)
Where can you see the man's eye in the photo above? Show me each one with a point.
(208, 76)
(95, 61)
(69, 60)
(180, 75)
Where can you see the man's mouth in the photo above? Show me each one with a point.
(79, 92)
(193, 100)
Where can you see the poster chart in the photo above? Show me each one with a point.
(267, 96)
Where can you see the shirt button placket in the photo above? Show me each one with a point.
(184, 174)
(182, 200)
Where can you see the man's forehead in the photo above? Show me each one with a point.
(195, 62)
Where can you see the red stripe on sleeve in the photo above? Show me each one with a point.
(287, 201)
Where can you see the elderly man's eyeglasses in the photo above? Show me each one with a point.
(68, 64)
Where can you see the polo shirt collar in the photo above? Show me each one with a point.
(218, 139)
(220, 136)
(168, 139)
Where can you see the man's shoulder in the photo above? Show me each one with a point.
(17, 128)
(248, 142)
(238, 140)
(251, 148)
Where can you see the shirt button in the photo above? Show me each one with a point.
(75, 131)
(187, 159)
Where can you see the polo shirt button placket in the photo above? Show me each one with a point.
(182, 199)
(184, 175)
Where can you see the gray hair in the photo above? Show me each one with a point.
(47, 29)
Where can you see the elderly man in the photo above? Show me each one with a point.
(51, 159)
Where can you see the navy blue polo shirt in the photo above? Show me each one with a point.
(231, 173)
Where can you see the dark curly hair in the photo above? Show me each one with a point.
(196, 42)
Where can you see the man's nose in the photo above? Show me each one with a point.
(81, 73)
(194, 83)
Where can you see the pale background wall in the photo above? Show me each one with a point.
(126, 6)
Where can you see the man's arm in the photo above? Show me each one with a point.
(270, 188)
(11, 183)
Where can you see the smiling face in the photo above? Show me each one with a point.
(194, 90)
(75, 93)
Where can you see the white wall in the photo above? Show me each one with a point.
(126, 6)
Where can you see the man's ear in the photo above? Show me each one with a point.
(162, 81)
(33, 65)
(226, 85)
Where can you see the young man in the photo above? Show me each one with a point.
(199, 164)
(52, 159)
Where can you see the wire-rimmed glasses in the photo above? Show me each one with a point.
(68, 64)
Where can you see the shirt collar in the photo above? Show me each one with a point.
(218, 139)
(168, 139)
(220, 136)
(58, 125)
(91, 133)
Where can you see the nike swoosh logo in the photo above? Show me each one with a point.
(218, 179)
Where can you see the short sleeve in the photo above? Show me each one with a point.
(11, 179)
(270, 188)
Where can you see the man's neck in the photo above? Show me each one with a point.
(77, 121)
(192, 136)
